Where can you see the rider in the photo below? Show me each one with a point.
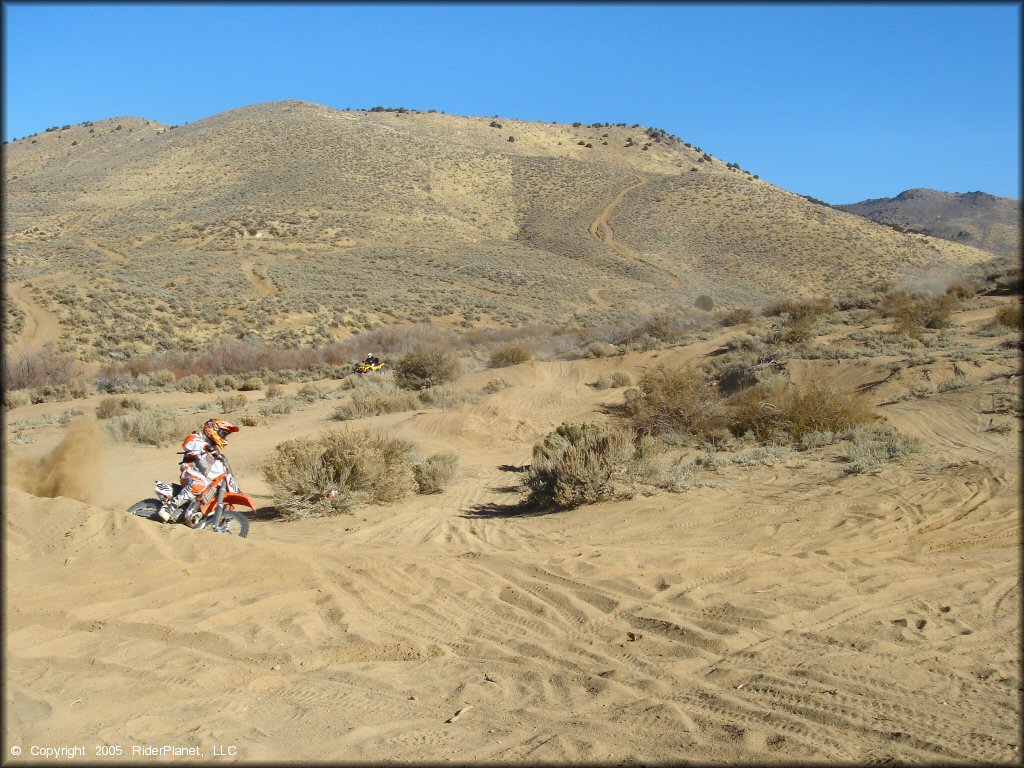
(202, 448)
(372, 359)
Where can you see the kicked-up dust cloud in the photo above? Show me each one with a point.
(72, 469)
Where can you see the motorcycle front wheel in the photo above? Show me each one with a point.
(232, 522)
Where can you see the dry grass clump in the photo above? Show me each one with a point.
(375, 402)
(115, 406)
(960, 290)
(614, 380)
(1011, 316)
(677, 400)
(799, 310)
(197, 383)
(914, 313)
(338, 472)
(512, 354)
(495, 385)
(425, 367)
(230, 403)
(781, 411)
(871, 449)
(436, 472)
(583, 463)
(149, 426)
(600, 349)
(736, 317)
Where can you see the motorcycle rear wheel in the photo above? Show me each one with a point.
(145, 508)
(232, 522)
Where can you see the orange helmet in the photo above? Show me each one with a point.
(218, 431)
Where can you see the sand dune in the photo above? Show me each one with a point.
(792, 613)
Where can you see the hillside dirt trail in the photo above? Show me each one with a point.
(781, 613)
(110, 253)
(601, 229)
(261, 285)
(40, 326)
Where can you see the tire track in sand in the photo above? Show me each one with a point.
(601, 229)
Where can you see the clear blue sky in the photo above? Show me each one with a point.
(840, 102)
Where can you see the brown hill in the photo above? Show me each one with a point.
(301, 223)
(974, 218)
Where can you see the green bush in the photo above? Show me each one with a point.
(338, 472)
(423, 368)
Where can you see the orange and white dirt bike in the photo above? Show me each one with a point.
(213, 510)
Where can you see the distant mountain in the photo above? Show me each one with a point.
(301, 224)
(974, 218)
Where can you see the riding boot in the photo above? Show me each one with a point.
(175, 506)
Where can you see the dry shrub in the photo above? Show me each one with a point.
(252, 419)
(425, 367)
(800, 309)
(437, 472)
(375, 403)
(44, 368)
(799, 330)
(583, 463)
(870, 449)
(229, 403)
(273, 390)
(149, 426)
(960, 290)
(614, 380)
(674, 400)
(338, 472)
(495, 385)
(600, 349)
(115, 406)
(196, 383)
(511, 354)
(925, 312)
(777, 410)
(736, 317)
(16, 398)
(1011, 316)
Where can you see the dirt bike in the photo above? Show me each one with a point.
(365, 367)
(213, 510)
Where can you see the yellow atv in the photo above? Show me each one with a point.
(365, 367)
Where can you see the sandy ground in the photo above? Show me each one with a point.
(791, 614)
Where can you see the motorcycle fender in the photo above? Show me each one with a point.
(231, 499)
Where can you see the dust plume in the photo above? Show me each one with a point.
(72, 469)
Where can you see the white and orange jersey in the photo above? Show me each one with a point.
(195, 445)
